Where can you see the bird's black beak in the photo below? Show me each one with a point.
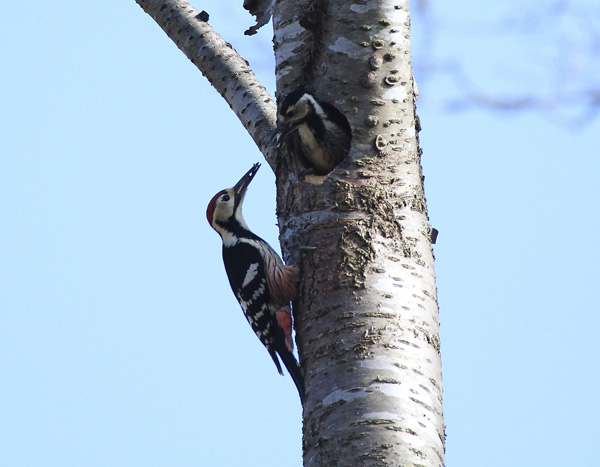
(281, 129)
(240, 187)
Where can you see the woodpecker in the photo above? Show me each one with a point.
(319, 134)
(260, 281)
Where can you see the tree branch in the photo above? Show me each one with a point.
(224, 68)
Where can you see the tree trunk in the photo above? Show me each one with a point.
(366, 316)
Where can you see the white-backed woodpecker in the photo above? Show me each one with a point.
(316, 132)
(262, 284)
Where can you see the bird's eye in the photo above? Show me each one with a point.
(225, 198)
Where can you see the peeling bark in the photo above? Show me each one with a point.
(261, 9)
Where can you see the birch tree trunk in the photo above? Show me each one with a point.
(366, 316)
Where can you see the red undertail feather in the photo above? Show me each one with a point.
(284, 319)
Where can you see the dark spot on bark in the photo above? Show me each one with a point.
(380, 142)
(202, 16)
(378, 44)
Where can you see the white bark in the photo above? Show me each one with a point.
(367, 316)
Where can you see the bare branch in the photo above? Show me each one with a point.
(224, 68)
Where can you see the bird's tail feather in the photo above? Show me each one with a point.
(293, 368)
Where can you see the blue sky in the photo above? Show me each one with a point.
(120, 341)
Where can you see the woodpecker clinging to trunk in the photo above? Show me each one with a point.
(263, 285)
(316, 132)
